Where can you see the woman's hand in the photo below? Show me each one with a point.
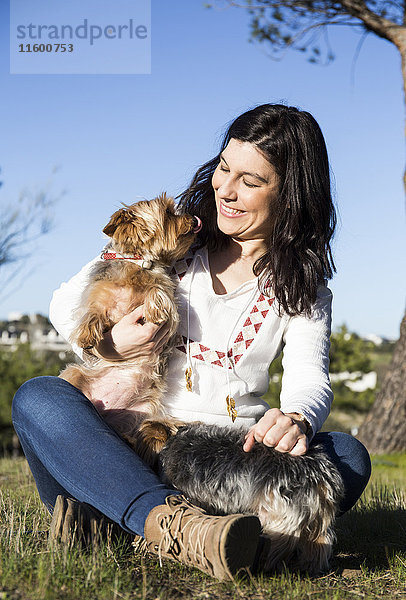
(280, 431)
(133, 337)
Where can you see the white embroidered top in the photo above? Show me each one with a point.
(233, 338)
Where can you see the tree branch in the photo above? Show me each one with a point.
(357, 9)
(21, 225)
(381, 26)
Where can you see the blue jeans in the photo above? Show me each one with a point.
(73, 452)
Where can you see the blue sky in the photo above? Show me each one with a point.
(117, 138)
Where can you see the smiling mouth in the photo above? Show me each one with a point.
(230, 212)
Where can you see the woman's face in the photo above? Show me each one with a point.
(245, 187)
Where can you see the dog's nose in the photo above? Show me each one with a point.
(197, 224)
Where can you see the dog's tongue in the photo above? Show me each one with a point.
(197, 224)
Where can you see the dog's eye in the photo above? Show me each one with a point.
(170, 212)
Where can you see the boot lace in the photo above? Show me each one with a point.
(184, 534)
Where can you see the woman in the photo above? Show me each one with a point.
(254, 286)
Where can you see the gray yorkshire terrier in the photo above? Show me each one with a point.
(295, 497)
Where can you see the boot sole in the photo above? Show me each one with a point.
(74, 522)
(58, 517)
(238, 545)
(66, 522)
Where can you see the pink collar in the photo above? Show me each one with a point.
(135, 258)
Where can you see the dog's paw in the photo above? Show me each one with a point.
(159, 307)
(154, 435)
(149, 440)
(89, 332)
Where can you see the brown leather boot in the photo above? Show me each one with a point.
(78, 522)
(219, 546)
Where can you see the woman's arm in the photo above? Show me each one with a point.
(306, 390)
(306, 387)
(65, 302)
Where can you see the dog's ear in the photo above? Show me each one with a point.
(120, 217)
(167, 202)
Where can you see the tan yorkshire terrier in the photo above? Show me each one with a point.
(146, 238)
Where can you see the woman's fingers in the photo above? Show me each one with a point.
(132, 337)
(282, 434)
(293, 441)
(279, 431)
(264, 429)
(301, 447)
(249, 442)
(151, 332)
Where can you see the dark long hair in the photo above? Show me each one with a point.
(298, 256)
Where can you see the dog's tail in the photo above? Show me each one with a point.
(299, 532)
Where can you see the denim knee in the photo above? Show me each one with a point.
(25, 399)
(50, 404)
(352, 461)
(355, 455)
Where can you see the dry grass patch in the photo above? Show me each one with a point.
(370, 558)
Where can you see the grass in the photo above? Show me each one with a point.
(370, 554)
(369, 562)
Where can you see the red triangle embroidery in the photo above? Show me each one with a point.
(181, 275)
(238, 339)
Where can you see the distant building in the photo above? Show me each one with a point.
(377, 339)
(357, 381)
(33, 329)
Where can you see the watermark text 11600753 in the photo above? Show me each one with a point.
(45, 48)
